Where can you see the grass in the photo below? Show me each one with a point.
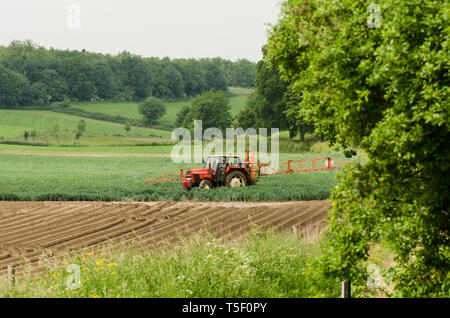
(130, 110)
(57, 178)
(43, 121)
(241, 91)
(264, 265)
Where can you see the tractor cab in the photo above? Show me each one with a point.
(216, 161)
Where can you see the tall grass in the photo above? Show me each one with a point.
(263, 265)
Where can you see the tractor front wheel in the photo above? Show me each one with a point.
(205, 184)
(236, 179)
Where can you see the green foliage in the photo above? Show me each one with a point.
(246, 118)
(183, 116)
(81, 128)
(152, 109)
(273, 104)
(30, 74)
(26, 135)
(212, 108)
(264, 265)
(55, 130)
(127, 127)
(14, 88)
(386, 90)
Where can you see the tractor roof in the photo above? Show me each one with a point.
(223, 156)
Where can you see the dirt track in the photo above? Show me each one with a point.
(28, 229)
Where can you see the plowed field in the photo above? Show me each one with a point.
(29, 229)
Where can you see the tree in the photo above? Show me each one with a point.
(26, 135)
(212, 108)
(273, 104)
(55, 130)
(40, 94)
(183, 116)
(127, 127)
(246, 118)
(152, 109)
(385, 90)
(243, 73)
(14, 88)
(81, 128)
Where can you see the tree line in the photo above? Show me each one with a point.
(34, 75)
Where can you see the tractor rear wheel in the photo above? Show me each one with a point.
(205, 184)
(236, 179)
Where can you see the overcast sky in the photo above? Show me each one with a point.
(230, 29)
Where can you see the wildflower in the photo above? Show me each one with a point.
(94, 296)
(90, 254)
(112, 265)
(99, 268)
(85, 269)
(99, 262)
(113, 273)
(104, 278)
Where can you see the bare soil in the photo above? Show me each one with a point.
(29, 230)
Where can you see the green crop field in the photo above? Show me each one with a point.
(13, 123)
(30, 177)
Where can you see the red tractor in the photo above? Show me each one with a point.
(221, 170)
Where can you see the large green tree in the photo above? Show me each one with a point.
(212, 108)
(273, 104)
(383, 86)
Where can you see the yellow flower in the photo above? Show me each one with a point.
(112, 265)
(94, 296)
(99, 262)
(113, 273)
(90, 254)
(104, 278)
(85, 269)
(99, 268)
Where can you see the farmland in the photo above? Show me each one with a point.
(115, 178)
(199, 246)
(131, 110)
(42, 121)
(98, 183)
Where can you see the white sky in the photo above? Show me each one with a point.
(230, 29)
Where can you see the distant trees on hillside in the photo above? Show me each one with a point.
(33, 75)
